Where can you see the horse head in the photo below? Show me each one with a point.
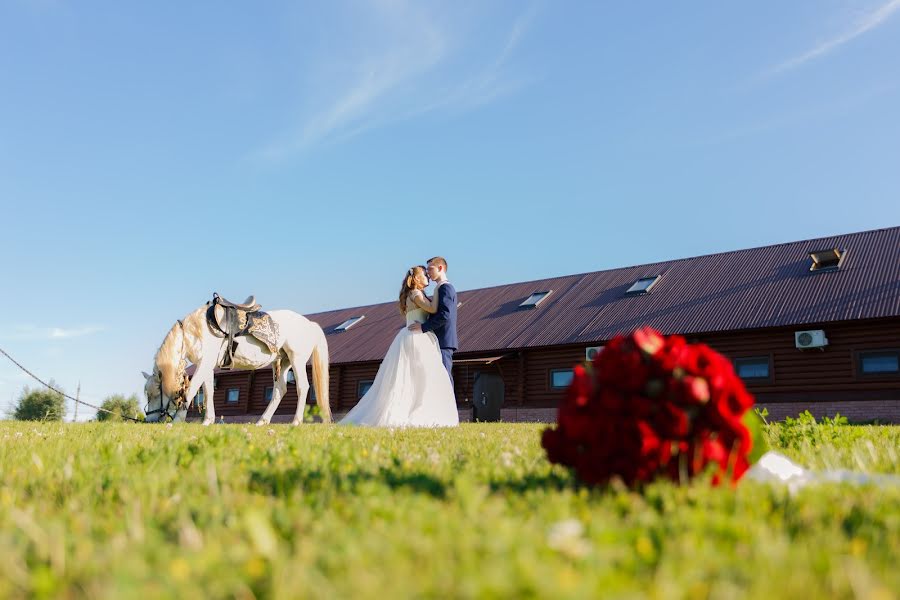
(162, 405)
(166, 389)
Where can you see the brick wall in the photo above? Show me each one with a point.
(885, 411)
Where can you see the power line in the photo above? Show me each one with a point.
(62, 393)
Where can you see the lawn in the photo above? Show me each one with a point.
(144, 511)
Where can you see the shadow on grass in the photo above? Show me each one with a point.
(286, 483)
(530, 483)
(298, 479)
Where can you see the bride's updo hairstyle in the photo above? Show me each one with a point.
(409, 284)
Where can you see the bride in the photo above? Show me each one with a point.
(412, 387)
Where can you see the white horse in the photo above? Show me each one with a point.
(169, 391)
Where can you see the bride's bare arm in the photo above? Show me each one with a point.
(422, 302)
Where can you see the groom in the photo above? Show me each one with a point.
(443, 322)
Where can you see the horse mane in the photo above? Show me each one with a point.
(169, 361)
(193, 326)
(170, 358)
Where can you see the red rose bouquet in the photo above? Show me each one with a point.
(651, 406)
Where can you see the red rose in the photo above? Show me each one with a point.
(655, 406)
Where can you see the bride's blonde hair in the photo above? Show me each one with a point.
(408, 285)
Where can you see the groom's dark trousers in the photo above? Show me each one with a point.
(447, 357)
(443, 324)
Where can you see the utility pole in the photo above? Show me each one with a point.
(77, 398)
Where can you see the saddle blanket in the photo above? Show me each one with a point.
(261, 326)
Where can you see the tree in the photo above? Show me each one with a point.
(119, 405)
(40, 405)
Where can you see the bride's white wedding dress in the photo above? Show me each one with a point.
(412, 388)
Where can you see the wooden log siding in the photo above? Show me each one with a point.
(350, 377)
(801, 376)
(539, 363)
(253, 384)
(808, 376)
(239, 380)
(288, 404)
(798, 378)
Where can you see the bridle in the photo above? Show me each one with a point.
(177, 404)
(178, 401)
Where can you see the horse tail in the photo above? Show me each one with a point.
(320, 373)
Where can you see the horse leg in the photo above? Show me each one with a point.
(194, 387)
(203, 376)
(207, 387)
(279, 390)
(302, 390)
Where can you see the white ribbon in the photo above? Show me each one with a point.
(775, 467)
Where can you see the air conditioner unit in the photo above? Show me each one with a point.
(813, 338)
(592, 351)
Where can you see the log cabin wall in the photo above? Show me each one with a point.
(749, 302)
(824, 381)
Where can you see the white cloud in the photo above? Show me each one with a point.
(493, 81)
(31, 333)
(405, 72)
(866, 23)
(57, 333)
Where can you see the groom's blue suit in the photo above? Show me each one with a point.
(443, 325)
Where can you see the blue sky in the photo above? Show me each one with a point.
(309, 153)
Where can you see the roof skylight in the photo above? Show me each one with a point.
(349, 323)
(642, 285)
(829, 259)
(534, 299)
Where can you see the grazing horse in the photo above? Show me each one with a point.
(293, 341)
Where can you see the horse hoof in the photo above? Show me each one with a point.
(295, 422)
(207, 423)
(261, 422)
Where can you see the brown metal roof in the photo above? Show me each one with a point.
(744, 289)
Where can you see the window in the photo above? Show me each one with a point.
(827, 260)
(561, 378)
(879, 362)
(534, 299)
(362, 387)
(752, 368)
(234, 394)
(290, 377)
(642, 285)
(267, 395)
(349, 323)
(198, 399)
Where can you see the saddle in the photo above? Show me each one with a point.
(249, 304)
(229, 320)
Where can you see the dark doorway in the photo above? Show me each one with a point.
(487, 397)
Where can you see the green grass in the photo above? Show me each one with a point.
(144, 511)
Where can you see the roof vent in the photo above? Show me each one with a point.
(349, 323)
(642, 285)
(827, 260)
(534, 299)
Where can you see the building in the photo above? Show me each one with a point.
(810, 325)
